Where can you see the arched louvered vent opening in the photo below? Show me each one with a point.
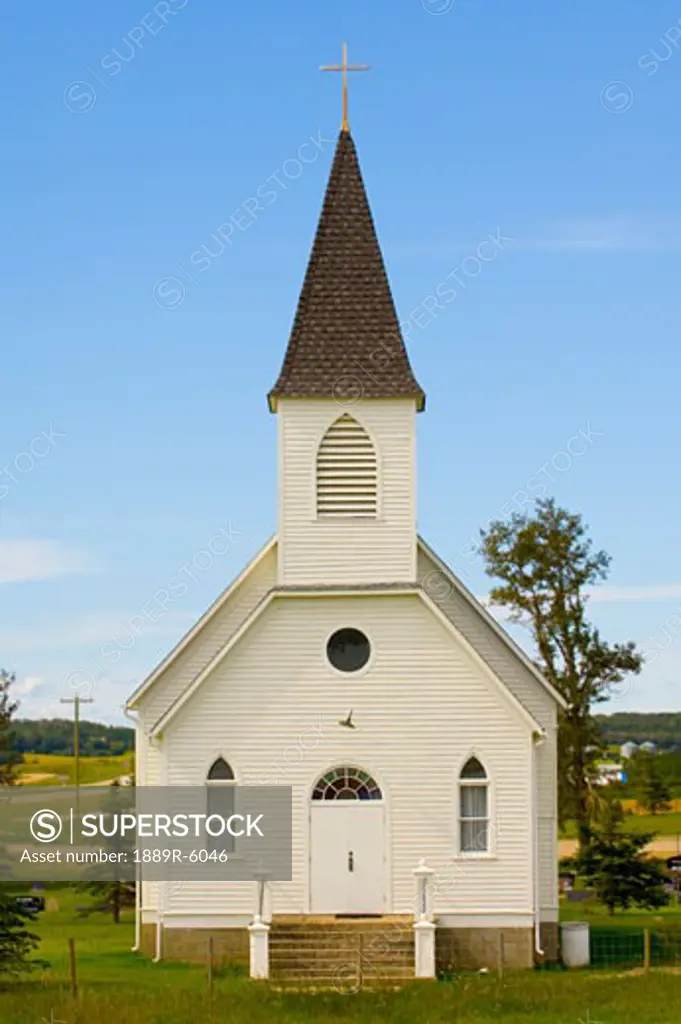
(346, 471)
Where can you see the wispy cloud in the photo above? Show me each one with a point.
(90, 630)
(595, 235)
(614, 235)
(23, 560)
(652, 592)
(29, 684)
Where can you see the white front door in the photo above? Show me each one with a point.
(347, 857)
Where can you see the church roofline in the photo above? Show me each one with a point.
(133, 701)
(346, 339)
(514, 648)
(392, 590)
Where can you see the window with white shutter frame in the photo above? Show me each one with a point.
(473, 808)
(347, 471)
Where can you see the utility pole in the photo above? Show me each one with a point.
(76, 701)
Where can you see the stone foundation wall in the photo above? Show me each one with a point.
(469, 949)
(456, 949)
(230, 945)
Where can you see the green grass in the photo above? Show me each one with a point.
(61, 769)
(662, 824)
(597, 916)
(120, 987)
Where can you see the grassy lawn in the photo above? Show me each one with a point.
(597, 916)
(57, 769)
(120, 987)
(664, 824)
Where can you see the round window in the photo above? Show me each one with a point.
(348, 650)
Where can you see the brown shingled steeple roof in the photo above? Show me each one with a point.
(346, 340)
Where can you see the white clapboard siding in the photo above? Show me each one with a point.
(272, 707)
(213, 635)
(529, 691)
(333, 529)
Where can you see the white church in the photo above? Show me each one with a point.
(348, 662)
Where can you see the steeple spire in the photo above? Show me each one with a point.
(346, 341)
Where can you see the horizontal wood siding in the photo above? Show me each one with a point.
(529, 691)
(212, 637)
(346, 550)
(421, 708)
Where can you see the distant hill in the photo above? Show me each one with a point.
(663, 728)
(55, 736)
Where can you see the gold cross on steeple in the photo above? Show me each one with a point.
(345, 67)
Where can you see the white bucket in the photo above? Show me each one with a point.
(574, 944)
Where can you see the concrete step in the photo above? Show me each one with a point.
(377, 949)
(344, 955)
(379, 941)
(321, 963)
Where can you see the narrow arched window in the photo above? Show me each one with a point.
(220, 771)
(347, 471)
(220, 784)
(473, 808)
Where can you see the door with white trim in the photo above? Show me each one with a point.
(348, 847)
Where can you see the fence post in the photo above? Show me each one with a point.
(209, 965)
(500, 955)
(72, 968)
(646, 950)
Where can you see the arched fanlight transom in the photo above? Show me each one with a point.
(347, 783)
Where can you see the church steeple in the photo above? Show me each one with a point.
(346, 338)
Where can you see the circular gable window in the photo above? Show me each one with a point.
(348, 650)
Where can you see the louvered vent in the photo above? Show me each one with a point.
(346, 471)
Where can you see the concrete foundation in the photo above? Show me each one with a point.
(230, 945)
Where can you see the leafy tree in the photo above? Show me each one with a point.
(55, 736)
(648, 783)
(613, 862)
(17, 943)
(9, 757)
(114, 893)
(662, 727)
(545, 564)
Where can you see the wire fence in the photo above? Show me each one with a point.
(623, 947)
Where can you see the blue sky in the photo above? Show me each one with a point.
(136, 447)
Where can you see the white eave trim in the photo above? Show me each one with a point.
(519, 708)
(134, 700)
(169, 714)
(510, 643)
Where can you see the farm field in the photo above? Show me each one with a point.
(59, 770)
(664, 824)
(121, 986)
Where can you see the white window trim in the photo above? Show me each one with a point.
(339, 673)
(490, 853)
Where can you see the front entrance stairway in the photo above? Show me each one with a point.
(341, 954)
